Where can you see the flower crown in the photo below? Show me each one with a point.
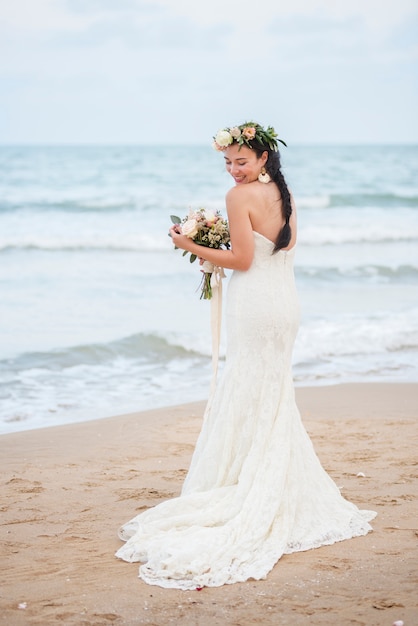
(244, 134)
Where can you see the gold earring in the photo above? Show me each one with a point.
(263, 177)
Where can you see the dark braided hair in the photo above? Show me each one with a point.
(273, 168)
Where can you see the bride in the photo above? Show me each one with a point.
(255, 489)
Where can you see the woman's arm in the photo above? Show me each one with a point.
(242, 242)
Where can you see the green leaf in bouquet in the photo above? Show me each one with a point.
(185, 252)
(193, 258)
(175, 219)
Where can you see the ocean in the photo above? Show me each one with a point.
(99, 315)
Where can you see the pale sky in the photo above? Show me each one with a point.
(175, 71)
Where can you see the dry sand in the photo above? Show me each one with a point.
(65, 491)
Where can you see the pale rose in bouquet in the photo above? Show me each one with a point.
(190, 228)
(206, 228)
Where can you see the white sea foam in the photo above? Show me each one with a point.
(313, 202)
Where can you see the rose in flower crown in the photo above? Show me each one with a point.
(246, 133)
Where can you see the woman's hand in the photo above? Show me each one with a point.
(179, 240)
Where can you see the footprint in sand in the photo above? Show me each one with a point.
(25, 486)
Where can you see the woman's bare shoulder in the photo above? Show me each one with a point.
(243, 191)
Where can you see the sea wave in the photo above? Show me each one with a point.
(357, 336)
(92, 381)
(142, 244)
(383, 273)
(85, 241)
(138, 241)
(317, 338)
(98, 204)
(140, 346)
(376, 200)
(59, 203)
(329, 234)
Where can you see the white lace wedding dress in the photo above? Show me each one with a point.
(255, 488)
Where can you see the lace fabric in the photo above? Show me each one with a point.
(255, 489)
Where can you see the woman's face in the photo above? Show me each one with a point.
(243, 164)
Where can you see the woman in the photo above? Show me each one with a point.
(255, 489)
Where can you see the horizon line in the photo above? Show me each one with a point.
(121, 144)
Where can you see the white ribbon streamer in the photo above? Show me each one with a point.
(215, 314)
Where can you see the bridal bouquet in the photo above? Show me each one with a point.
(208, 229)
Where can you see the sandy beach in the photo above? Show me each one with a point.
(66, 490)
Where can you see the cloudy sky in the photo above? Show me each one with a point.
(174, 71)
